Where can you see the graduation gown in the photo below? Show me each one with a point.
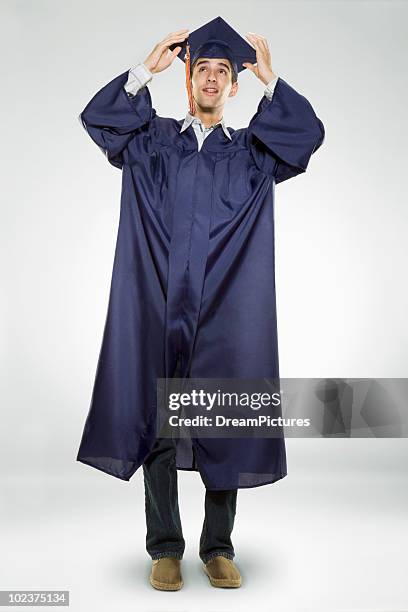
(193, 284)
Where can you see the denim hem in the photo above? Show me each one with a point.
(206, 558)
(167, 553)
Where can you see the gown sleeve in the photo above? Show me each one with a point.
(284, 132)
(113, 117)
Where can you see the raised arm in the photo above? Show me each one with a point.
(112, 117)
(285, 131)
(123, 107)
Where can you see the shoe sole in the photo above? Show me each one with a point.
(222, 582)
(165, 586)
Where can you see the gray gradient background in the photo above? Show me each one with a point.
(333, 534)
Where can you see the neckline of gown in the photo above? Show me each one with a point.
(216, 140)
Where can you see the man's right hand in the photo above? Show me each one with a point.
(161, 57)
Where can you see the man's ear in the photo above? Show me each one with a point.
(234, 90)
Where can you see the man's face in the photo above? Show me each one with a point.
(212, 82)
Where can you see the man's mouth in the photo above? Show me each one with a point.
(211, 91)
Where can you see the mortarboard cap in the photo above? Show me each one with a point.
(214, 39)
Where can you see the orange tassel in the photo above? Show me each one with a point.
(191, 102)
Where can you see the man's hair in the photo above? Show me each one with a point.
(234, 76)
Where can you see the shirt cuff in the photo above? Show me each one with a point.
(269, 89)
(138, 77)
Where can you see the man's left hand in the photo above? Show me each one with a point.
(263, 67)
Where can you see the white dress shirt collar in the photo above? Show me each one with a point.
(191, 119)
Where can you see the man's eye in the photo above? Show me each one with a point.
(204, 68)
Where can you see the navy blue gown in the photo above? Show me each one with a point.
(193, 282)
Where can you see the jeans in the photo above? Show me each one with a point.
(164, 537)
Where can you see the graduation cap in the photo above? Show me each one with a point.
(214, 39)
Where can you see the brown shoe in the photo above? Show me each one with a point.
(222, 572)
(166, 574)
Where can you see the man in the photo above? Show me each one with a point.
(193, 289)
